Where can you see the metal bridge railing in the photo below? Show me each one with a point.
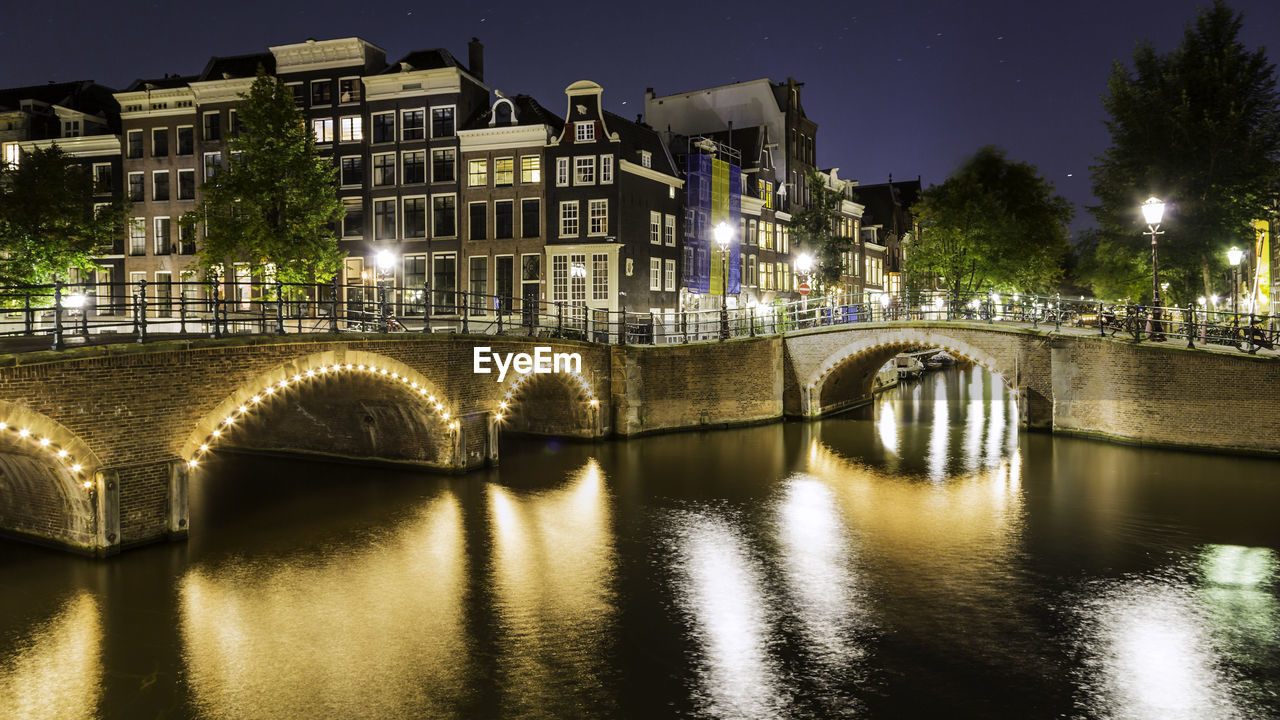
(70, 314)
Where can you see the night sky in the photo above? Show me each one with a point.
(902, 88)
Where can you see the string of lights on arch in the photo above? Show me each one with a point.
(522, 379)
(46, 444)
(278, 388)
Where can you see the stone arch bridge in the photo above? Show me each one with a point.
(97, 444)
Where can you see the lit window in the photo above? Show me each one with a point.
(503, 172)
(477, 173)
(323, 129)
(349, 90)
(352, 129)
(530, 169)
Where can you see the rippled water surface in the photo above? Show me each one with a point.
(916, 559)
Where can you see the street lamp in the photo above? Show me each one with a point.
(1153, 213)
(723, 235)
(1234, 256)
(804, 266)
(386, 262)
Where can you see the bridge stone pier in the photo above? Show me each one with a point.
(98, 444)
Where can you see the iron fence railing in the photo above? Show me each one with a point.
(93, 312)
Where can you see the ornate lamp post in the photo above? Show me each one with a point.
(1234, 256)
(1153, 212)
(723, 235)
(386, 262)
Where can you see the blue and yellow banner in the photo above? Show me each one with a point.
(713, 196)
(1262, 276)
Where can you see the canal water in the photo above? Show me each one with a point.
(920, 558)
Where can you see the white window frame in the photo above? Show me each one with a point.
(579, 176)
(431, 208)
(350, 128)
(562, 172)
(669, 230)
(426, 119)
(655, 274)
(470, 205)
(155, 175)
(311, 91)
(497, 160)
(373, 169)
(431, 158)
(430, 120)
(600, 277)
(137, 232)
(403, 178)
(358, 202)
(584, 131)
(154, 130)
(128, 134)
(402, 219)
(155, 234)
(646, 159)
(478, 161)
(655, 227)
(362, 174)
(204, 164)
(597, 216)
(567, 217)
(128, 185)
(395, 218)
(359, 84)
(178, 187)
(669, 273)
(395, 127)
(322, 128)
(535, 172)
(204, 126)
(177, 142)
(606, 169)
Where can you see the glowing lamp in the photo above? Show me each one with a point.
(723, 235)
(1234, 256)
(1153, 210)
(804, 263)
(386, 260)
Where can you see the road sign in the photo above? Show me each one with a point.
(804, 288)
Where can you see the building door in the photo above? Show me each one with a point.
(530, 288)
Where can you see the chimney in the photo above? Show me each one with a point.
(475, 58)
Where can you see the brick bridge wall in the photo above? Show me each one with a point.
(130, 416)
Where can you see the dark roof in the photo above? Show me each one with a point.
(85, 96)
(528, 112)
(638, 136)
(888, 204)
(748, 141)
(168, 81)
(238, 66)
(425, 60)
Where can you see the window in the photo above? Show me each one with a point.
(186, 140)
(504, 277)
(597, 217)
(351, 129)
(212, 164)
(415, 217)
(753, 236)
(136, 184)
(646, 158)
(443, 165)
(477, 173)
(415, 277)
(655, 228)
(444, 216)
(321, 92)
(584, 131)
(669, 230)
(138, 236)
(504, 219)
(160, 185)
(384, 219)
(655, 273)
(606, 169)
(562, 171)
(442, 122)
(235, 121)
(578, 280)
(384, 127)
(352, 170)
(530, 218)
(213, 125)
(503, 172)
(323, 129)
(162, 236)
(600, 276)
(569, 218)
(353, 222)
(187, 239)
(299, 94)
(160, 142)
(584, 170)
(349, 90)
(444, 281)
(71, 128)
(559, 278)
(133, 143)
(751, 271)
(669, 274)
(186, 184)
(530, 169)
(411, 125)
(478, 221)
(102, 177)
(415, 167)
(478, 282)
(384, 169)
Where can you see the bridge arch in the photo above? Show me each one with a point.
(854, 365)
(49, 479)
(550, 404)
(260, 395)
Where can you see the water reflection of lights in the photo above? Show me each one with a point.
(56, 672)
(719, 590)
(553, 570)
(1157, 647)
(939, 433)
(326, 634)
(976, 415)
(887, 424)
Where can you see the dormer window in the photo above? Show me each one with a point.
(646, 158)
(585, 132)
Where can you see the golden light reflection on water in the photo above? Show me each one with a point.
(553, 568)
(55, 670)
(368, 631)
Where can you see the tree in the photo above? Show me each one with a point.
(47, 220)
(814, 228)
(1198, 127)
(275, 203)
(995, 224)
